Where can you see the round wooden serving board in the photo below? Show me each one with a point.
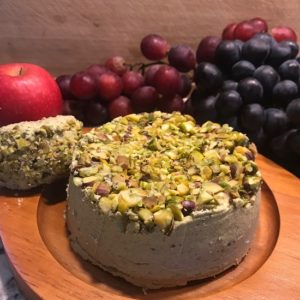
(33, 231)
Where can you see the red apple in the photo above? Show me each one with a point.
(27, 93)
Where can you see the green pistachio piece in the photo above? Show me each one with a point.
(204, 197)
(212, 187)
(146, 215)
(108, 204)
(88, 171)
(187, 126)
(182, 189)
(222, 198)
(197, 157)
(130, 198)
(177, 213)
(89, 179)
(164, 219)
(77, 181)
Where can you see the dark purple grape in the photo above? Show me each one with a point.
(293, 46)
(63, 82)
(205, 110)
(188, 206)
(144, 99)
(172, 104)
(185, 86)
(278, 54)
(120, 106)
(293, 142)
(228, 103)
(95, 114)
(229, 85)
(232, 122)
(293, 111)
(239, 44)
(284, 92)
(263, 36)
(189, 107)
(250, 90)
(166, 80)
(74, 108)
(242, 69)
(154, 47)
(196, 96)
(279, 145)
(208, 78)
(182, 57)
(256, 51)
(252, 117)
(268, 77)
(276, 121)
(290, 69)
(227, 54)
(259, 138)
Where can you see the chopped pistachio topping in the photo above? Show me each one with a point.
(162, 168)
(38, 152)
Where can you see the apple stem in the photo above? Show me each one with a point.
(20, 72)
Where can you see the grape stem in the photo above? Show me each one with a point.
(142, 66)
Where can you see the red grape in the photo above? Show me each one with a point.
(282, 33)
(185, 86)
(95, 113)
(110, 86)
(245, 30)
(117, 65)
(207, 48)
(182, 57)
(228, 32)
(131, 81)
(169, 105)
(120, 106)
(83, 86)
(150, 72)
(63, 82)
(260, 24)
(96, 69)
(167, 81)
(154, 47)
(144, 99)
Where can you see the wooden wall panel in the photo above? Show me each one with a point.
(67, 35)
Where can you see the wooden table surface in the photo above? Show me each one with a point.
(27, 230)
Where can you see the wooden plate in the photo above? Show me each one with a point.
(35, 238)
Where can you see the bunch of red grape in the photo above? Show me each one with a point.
(103, 92)
(248, 78)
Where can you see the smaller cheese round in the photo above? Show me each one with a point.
(37, 152)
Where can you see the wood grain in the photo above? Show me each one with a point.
(65, 36)
(33, 233)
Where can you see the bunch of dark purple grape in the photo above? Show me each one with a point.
(254, 87)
